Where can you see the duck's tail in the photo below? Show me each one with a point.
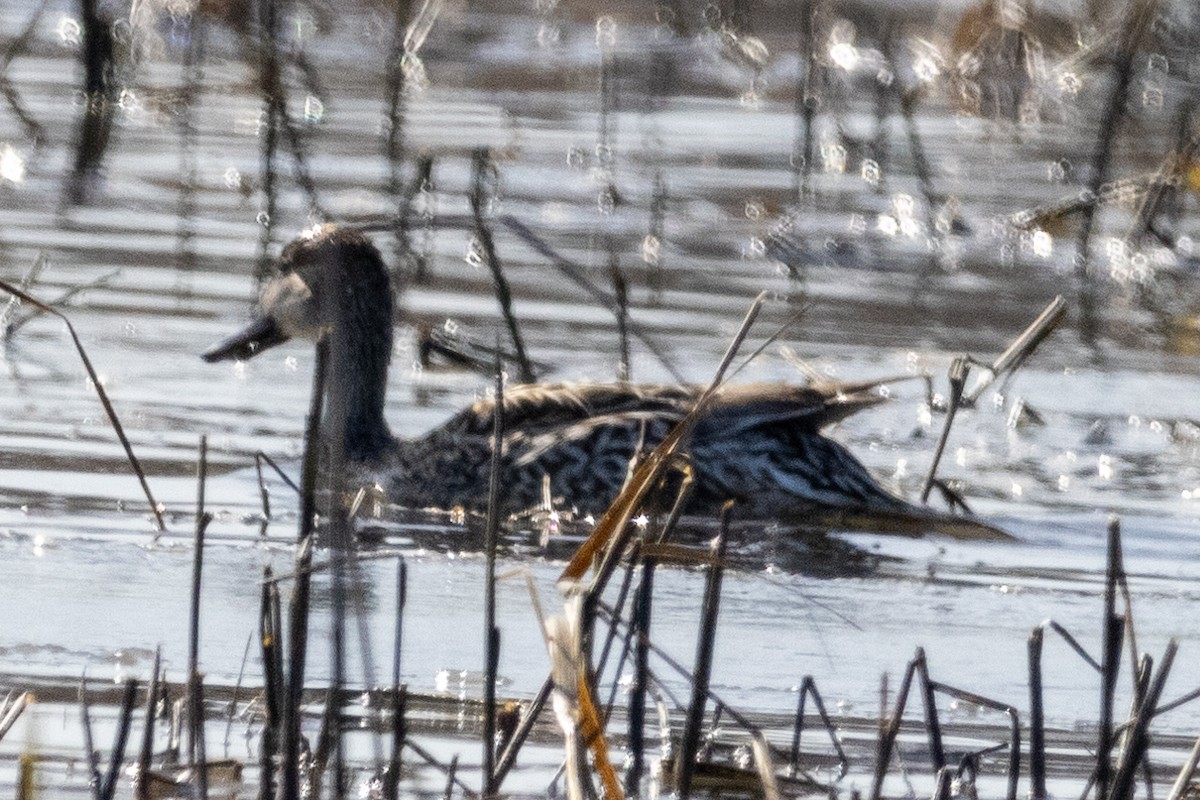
(911, 521)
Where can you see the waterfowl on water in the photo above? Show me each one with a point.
(760, 445)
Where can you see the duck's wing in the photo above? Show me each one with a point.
(534, 409)
(810, 408)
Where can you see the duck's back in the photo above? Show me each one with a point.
(757, 444)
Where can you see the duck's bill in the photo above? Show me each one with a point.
(261, 334)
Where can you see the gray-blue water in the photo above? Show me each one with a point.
(84, 583)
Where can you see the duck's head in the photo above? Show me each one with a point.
(328, 278)
(330, 286)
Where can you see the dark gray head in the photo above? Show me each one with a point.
(331, 286)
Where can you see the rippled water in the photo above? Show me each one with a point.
(84, 582)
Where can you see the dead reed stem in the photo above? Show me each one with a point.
(1037, 719)
(451, 777)
(1184, 779)
(196, 737)
(237, 688)
(1112, 628)
(480, 163)
(1021, 348)
(92, 756)
(578, 275)
(160, 524)
(686, 762)
(532, 711)
(808, 686)
(399, 691)
(643, 607)
(270, 632)
(610, 637)
(1139, 734)
(621, 293)
(108, 786)
(298, 609)
(958, 378)
(195, 712)
(491, 633)
(14, 326)
(147, 749)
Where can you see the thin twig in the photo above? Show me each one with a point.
(103, 395)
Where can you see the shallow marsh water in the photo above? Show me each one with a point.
(86, 584)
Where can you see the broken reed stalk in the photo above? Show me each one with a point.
(268, 56)
(491, 633)
(933, 726)
(579, 276)
(1139, 734)
(298, 609)
(160, 524)
(1014, 725)
(959, 368)
(259, 459)
(685, 764)
(147, 750)
(195, 713)
(479, 166)
(108, 786)
(889, 727)
(808, 686)
(1112, 628)
(1021, 348)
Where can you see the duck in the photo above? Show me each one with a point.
(760, 445)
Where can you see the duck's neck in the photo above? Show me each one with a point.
(359, 349)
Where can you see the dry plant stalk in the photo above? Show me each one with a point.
(160, 524)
